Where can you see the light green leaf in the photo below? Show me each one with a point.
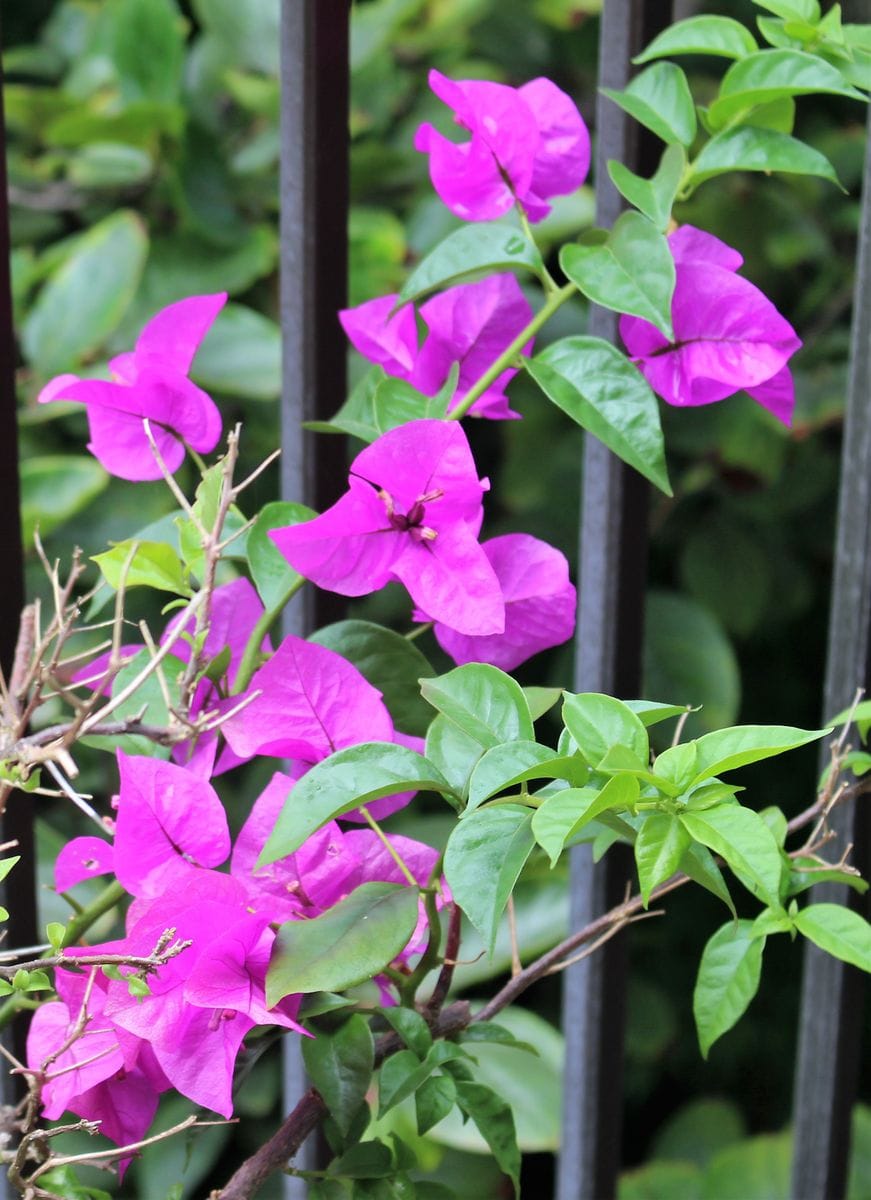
(601, 390)
(838, 931)
(340, 1065)
(506, 766)
(654, 197)
(109, 165)
(659, 848)
(727, 981)
(801, 10)
(629, 269)
(701, 866)
(562, 816)
(472, 250)
(660, 100)
(342, 782)
(771, 74)
(240, 355)
(153, 564)
(346, 945)
(247, 30)
(744, 841)
(55, 488)
(678, 764)
(272, 573)
(747, 148)
(84, 301)
(598, 722)
(651, 712)
(541, 699)
(701, 35)
(483, 702)
(483, 858)
(726, 749)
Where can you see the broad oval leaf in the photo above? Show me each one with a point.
(723, 36)
(272, 573)
(85, 300)
(606, 394)
(654, 197)
(483, 702)
(838, 931)
(748, 148)
(659, 848)
(562, 816)
(727, 981)
(343, 782)
(771, 74)
(339, 1063)
(660, 100)
(514, 763)
(453, 752)
(631, 271)
(744, 841)
(240, 355)
(54, 488)
(726, 749)
(484, 247)
(483, 858)
(598, 722)
(346, 945)
(390, 662)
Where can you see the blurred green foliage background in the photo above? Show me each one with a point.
(143, 163)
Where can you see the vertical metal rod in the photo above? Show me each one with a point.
(613, 554)
(314, 208)
(832, 993)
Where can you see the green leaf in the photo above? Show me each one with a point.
(770, 75)
(701, 866)
(505, 767)
(453, 752)
(727, 981)
(630, 269)
(248, 31)
(346, 945)
(401, 1075)
(472, 250)
(701, 35)
(541, 699)
(433, 1100)
(83, 302)
(838, 931)
(340, 1065)
(660, 100)
(148, 700)
(152, 564)
(678, 764)
(483, 702)
(562, 816)
(55, 488)
(495, 1122)
(759, 1167)
(484, 857)
(390, 662)
(148, 49)
(651, 712)
(659, 848)
(802, 10)
(411, 1027)
(342, 782)
(751, 149)
(240, 355)
(770, 921)
(272, 573)
(744, 841)
(365, 1160)
(726, 749)
(801, 879)
(109, 165)
(604, 393)
(598, 722)
(654, 197)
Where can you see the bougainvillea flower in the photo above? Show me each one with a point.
(83, 858)
(169, 823)
(412, 514)
(469, 325)
(528, 144)
(150, 382)
(540, 605)
(728, 336)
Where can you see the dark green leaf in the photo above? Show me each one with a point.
(562, 816)
(401, 1075)
(601, 390)
(433, 1100)
(453, 752)
(727, 981)
(701, 35)
(770, 75)
(411, 1027)
(483, 702)
(659, 848)
(654, 197)
(838, 931)
(390, 662)
(366, 1160)
(270, 570)
(744, 841)
(54, 488)
(598, 722)
(660, 100)
(629, 270)
(484, 856)
(472, 250)
(747, 148)
(495, 1122)
(344, 781)
(148, 49)
(340, 1065)
(344, 946)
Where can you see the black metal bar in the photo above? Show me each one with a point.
(832, 993)
(613, 553)
(314, 209)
